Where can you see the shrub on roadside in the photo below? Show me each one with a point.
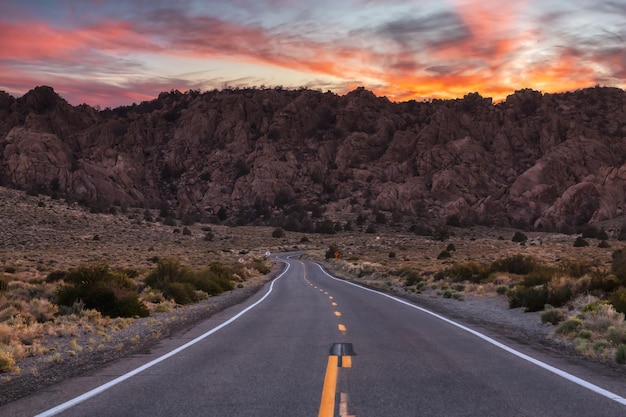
(602, 317)
(516, 264)
(620, 354)
(181, 283)
(569, 326)
(7, 362)
(411, 277)
(468, 271)
(618, 300)
(552, 316)
(531, 298)
(110, 292)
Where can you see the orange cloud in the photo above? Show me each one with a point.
(472, 48)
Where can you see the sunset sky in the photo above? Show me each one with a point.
(112, 53)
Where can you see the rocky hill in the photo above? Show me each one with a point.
(295, 157)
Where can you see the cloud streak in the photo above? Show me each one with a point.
(439, 50)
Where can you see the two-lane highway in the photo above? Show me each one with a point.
(309, 344)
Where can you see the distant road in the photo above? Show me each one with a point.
(311, 345)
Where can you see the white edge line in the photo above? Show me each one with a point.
(98, 390)
(576, 380)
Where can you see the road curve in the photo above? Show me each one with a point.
(309, 344)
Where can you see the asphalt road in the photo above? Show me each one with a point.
(308, 345)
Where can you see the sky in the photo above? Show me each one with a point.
(113, 53)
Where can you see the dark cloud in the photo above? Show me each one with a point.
(430, 31)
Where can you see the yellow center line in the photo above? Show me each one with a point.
(330, 298)
(343, 405)
(327, 405)
(338, 313)
(342, 328)
(346, 361)
(334, 304)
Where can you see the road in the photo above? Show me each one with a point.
(308, 344)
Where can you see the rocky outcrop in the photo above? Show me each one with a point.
(536, 160)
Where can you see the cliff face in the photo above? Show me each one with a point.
(538, 161)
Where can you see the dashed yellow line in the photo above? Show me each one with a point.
(346, 361)
(342, 328)
(338, 313)
(334, 304)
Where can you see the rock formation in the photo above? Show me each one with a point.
(293, 157)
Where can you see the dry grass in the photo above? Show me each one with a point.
(39, 236)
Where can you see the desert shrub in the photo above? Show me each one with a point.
(441, 233)
(593, 305)
(541, 275)
(552, 316)
(599, 282)
(560, 291)
(214, 280)
(260, 266)
(616, 335)
(42, 310)
(589, 231)
(421, 230)
(411, 277)
(620, 354)
(370, 229)
(278, 233)
(531, 298)
(180, 292)
(618, 300)
(469, 271)
(580, 242)
(111, 293)
(604, 244)
(186, 231)
(7, 361)
(519, 237)
(181, 283)
(56, 276)
(451, 247)
(444, 254)
(4, 284)
(516, 264)
(569, 326)
(167, 270)
(603, 317)
(577, 269)
(618, 266)
(330, 252)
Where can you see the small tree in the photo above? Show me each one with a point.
(278, 233)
